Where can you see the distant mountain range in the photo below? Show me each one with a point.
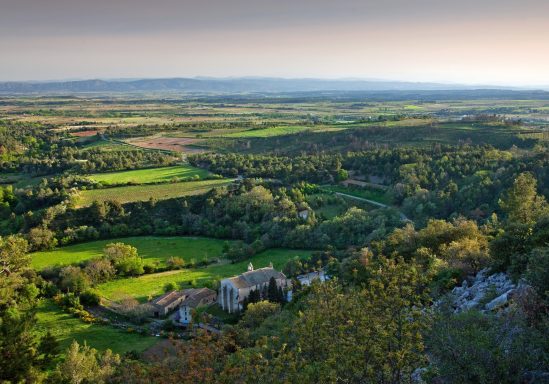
(227, 85)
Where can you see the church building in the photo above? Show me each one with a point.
(234, 290)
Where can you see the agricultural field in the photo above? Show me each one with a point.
(134, 193)
(269, 132)
(361, 192)
(328, 206)
(153, 249)
(67, 328)
(176, 144)
(146, 286)
(150, 175)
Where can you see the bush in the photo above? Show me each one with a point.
(171, 286)
(537, 272)
(50, 289)
(73, 279)
(68, 300)
(90, 298)
(472, 347)
(175, 262)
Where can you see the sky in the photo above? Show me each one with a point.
(499, 42)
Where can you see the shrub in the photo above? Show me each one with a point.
(537, 272)
(90, 298)
(175, 262)
(171, 286)
(73, 279)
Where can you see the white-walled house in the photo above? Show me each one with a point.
(195, 298)
(234, 290)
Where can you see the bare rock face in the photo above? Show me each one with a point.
(485, 292)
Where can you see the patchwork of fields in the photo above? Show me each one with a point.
(133, 193)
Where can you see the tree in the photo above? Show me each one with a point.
(171, 286)
(537, 272)
(469, 255)
(371, 334)
(48, 347)
(73, 279)
(13, 255)
(272, 291)
(42, 239)
(475, 347)
(18, 298)
(521, 203)
(125, 258)
(256, 313)
(100, 270)
(83, 364)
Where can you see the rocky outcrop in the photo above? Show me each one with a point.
(485, 292)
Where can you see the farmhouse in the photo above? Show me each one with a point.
(195, 298)
(234, 290)
(166, 303)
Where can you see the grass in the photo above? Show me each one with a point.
(152, 285)
(66, 328)
(153, 249)
(268, 132)
(19, 180)
(328, 206)
(134, 193)
(365, 193)
(151, 175)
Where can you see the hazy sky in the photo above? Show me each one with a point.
(467, 41)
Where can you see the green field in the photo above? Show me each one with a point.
(153, 285)
(268, 132)
(153, 249)
(133, 193)
(151, 175)
(364, 193)
(67, 328)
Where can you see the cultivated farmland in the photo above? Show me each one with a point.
(151, 175)
(133, 193)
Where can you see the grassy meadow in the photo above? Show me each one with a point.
(150, 175)
(269, 132)
(153, 249)
(67, 328)
(132, 193)
(364, 193)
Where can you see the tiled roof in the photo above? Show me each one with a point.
(195, 298)
(168, 298)
(258, 277)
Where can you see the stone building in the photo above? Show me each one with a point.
(234, 290)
